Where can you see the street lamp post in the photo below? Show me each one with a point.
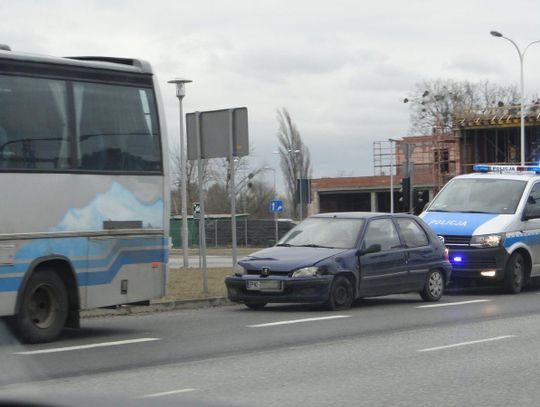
(180, 93)
(522, 87)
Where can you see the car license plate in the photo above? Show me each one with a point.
(264, 285)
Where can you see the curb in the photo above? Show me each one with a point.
(157, 306)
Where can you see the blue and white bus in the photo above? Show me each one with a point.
(84, 189)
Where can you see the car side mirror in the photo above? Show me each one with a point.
(374, 248)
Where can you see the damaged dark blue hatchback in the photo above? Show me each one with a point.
(335, 258)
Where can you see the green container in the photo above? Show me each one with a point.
(193, 232)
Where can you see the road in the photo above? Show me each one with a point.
(473, 348)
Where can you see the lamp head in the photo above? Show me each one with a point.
(180, 86)
(496, 33)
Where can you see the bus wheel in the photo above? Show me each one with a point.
(43, 309)
(514, 275)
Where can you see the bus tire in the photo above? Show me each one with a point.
(43, 308)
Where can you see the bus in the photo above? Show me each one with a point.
(84, 202)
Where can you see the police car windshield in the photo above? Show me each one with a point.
(484, 195)
(335, 233)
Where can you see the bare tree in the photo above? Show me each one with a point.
(435, 104)
(295, 160)
(192, 182)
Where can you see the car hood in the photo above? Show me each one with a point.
(286, 259)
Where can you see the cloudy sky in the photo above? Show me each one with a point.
(341, 68)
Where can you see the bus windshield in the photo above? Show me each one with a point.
(500, 196)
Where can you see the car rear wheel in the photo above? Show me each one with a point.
(255, 305)
(514, 275)
(341, 294)
(44, 308)
(434, 286)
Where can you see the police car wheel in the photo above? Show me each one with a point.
(434, 286)
(514, 275)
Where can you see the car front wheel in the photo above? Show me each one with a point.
(341, 294)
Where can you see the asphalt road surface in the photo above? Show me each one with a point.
(473, 348)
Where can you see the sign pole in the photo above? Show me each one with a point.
(202, 226)
(232, 187)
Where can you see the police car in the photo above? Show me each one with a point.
(490, 222)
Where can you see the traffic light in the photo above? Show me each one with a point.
(405, 193)
(418, 201)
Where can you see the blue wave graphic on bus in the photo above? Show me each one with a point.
(118, 204)
(105, 261)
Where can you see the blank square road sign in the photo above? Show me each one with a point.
(214, 130)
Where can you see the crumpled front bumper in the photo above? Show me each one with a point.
(305, 289)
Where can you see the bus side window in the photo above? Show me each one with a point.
(117, 128)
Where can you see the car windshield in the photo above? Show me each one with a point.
(479, 196)
(336, 233)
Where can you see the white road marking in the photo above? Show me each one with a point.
(89, 346)
(448, 304)
(165, 393)
(296, 321)
(455, 345)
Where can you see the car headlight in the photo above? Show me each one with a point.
(487, 240)
(307, 272)
(240, 271)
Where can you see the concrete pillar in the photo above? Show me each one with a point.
(373, 201)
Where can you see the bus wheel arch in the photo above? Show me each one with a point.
(51, 283)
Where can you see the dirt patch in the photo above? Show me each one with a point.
(187, 283)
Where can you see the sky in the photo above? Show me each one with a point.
(341, 68)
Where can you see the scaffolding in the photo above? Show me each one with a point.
(435, 159)
(384, 157)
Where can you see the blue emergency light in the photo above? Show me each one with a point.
(506, 168)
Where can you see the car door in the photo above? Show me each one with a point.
(385, 271)
(531, 226)
(418, 251)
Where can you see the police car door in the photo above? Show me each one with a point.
(531, 217)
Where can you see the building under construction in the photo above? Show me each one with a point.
(490, 136)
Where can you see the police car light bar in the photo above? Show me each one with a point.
(506, 168)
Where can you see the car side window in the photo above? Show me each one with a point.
(532, 208)
(413, 235)
(383, 232)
